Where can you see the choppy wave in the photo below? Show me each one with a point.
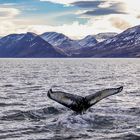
(31, 114)
(26, 112)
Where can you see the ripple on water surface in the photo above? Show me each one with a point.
(27, 113)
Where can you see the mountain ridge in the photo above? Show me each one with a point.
(125, 44)
(29, 45)
(53, 44)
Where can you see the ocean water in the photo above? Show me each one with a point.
(27, 113)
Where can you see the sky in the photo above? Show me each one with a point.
(74, 18)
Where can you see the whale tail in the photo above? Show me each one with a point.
(79, 103)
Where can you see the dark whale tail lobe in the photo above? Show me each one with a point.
(78, 103)
(66, 99)
(94, 98)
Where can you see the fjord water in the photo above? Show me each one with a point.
(27, 113)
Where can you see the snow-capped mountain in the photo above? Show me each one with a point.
(27, 45)
(52, 44)
(104, 36)
(88, 41)
(55, 39)
(60, 41)
(68, 45)
(125, 44)
(10, 39)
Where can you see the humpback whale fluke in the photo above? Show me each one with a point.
(80, 104)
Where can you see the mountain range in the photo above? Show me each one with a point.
(53, 44)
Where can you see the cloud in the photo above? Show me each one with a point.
(123, 22)
(7, 15)
(8, 12)
(97, 8)
(120, 23)
(103, 11)
(118, 6)
(77, 30)
(138, 16)
(74, 30)
(105, 4)
(87, 4)
(100, 15)
(6, 27)
(110, 23)
(66, 2)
